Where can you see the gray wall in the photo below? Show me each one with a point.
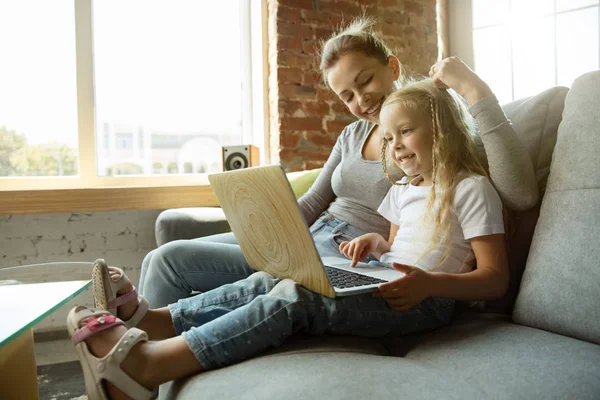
(123, 238)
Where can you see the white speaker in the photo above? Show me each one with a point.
(238, 157)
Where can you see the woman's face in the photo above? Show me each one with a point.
(362, 82)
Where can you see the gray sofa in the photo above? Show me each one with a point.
(545, 347)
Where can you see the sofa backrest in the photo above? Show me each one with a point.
(535, 120)
(560, 290)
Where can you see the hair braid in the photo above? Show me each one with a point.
(384, 146)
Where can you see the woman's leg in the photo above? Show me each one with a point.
(178, 268)
(225, 238)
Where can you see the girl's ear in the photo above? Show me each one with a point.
(396, 66)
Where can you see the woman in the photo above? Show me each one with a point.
(362, 71)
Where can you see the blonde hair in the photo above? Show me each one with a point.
(358, 36)
(454, 152)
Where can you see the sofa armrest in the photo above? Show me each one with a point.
(189, 223)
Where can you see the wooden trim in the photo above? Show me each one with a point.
(14, 202)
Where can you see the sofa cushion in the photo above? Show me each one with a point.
(559, 291)
(535, 120)
(310, 369)
(511, 361)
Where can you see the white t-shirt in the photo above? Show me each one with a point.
(477, 211)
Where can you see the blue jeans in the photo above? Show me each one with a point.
(177, 269)
(241, 320)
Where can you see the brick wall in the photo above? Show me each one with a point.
(306, 118)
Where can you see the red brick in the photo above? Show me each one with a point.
(302, 124)
(389, 3)
(310, 154)
(295, 30)
(313, 165)
(289, 75)
(292, 44)
(289, 139)
(315, 109)
(305, 61)
(305, 4)
(315, 18)
(320, 139)
(336, 125)
(311, 46)
(289, 107)
(411, 7)
(311, 78)
(323, 33)
(339, 108)
(326, 94)
(341, 7)
(288, 14)
(288, 155)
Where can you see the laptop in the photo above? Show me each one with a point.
(263, 214)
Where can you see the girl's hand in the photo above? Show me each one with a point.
(406, 292)
(359, 248)
(452, 73)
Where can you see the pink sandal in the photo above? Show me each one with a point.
(105, 293)
(83, 323)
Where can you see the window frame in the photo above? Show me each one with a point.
(22, 195)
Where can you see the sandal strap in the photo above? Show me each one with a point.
(109, 367)
(139, 313)
(96, 321)
(119, 283)
(123, 299)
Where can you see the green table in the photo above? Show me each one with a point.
(21, 307)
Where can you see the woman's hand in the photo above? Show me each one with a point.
(359, 248)
(452, 73)
(404, 293)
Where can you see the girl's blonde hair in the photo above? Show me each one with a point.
(454, 152)
(358, 36)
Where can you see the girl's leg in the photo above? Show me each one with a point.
(148, 363)
(177, 269)
(204, 307)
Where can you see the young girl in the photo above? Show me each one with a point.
(429, 140)
(342, 203)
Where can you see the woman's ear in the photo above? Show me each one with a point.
(396, 66)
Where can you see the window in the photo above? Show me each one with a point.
(161, 73)
(523, 47)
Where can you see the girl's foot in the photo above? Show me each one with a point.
(114, 360)
(114, 291)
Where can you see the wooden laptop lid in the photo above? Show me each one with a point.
(263, 213)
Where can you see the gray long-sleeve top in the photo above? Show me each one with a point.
(352, 188)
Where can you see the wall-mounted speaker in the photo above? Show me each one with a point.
(238, 157)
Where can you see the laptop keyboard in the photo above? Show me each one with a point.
(345, 279)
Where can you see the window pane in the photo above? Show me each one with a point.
(492, 60)
(564, 5)
(523, 9)
(577, 44)
(533, 56)
(38, 99)
(486, 12)
(168, 84)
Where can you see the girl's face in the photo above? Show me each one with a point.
(362, 82)
(410, 141)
